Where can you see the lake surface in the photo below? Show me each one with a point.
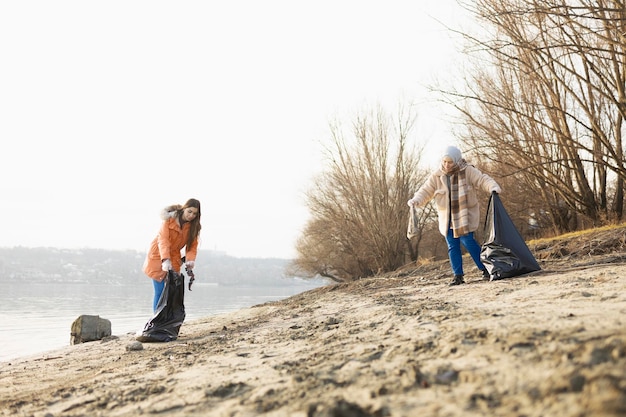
(37, 317)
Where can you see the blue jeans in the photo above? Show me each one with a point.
(454, 251)
(158, 290)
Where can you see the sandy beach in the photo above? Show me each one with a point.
(550, 343)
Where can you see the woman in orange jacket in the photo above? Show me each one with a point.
(180, 229)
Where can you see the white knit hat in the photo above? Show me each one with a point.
(454, 153)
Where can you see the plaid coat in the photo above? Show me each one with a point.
(436, 187)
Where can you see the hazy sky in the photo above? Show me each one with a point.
(111, 110)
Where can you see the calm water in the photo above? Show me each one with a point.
(37, 317)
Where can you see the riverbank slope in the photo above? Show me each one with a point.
(548, 343)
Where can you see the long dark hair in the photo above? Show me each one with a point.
(194, 225)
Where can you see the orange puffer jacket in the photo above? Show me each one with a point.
(168, 245)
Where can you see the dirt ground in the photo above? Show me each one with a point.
(549, 343)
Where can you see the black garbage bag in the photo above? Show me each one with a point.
(504, 252)
(170, 312)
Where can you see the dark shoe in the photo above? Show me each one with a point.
(458, 280)
(486, 275)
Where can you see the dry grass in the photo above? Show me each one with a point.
(600, 245)
(582, 244)
(580, 233)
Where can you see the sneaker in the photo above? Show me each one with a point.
(458, 280)
(486, 275)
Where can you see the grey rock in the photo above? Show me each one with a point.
(88, 328)
(134, 346)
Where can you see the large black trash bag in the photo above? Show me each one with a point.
(504, 252)
(170, 312)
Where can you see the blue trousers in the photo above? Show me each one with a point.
(158, 290)
(454, 251)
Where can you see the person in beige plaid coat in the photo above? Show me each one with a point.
(453, 187)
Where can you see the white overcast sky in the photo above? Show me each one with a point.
(111, 110)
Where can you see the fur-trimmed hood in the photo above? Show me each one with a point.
(169, 212)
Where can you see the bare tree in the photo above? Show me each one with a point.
(550, 109)
(358, 204)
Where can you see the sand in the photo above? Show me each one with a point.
(549, 343)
